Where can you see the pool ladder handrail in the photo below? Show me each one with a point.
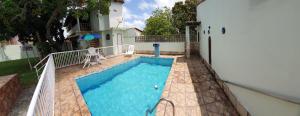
(161, 99)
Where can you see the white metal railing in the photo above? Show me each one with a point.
(42, 102)
(69, 58)
(40, 65)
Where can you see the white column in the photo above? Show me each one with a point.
(187, 41)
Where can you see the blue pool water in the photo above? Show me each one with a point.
(126, 89)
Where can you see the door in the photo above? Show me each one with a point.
(209, 50)
(119, 42)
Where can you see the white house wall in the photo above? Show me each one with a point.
(260, 49)
(108, 51)
(129, 38)
(112, 20)
(104, 22)
(115, 14)
(130, 34)
(95, 21)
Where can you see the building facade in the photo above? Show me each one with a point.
(110, 27)
(254, 43)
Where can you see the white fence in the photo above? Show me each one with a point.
(172, 47)
(170, 44)
(68, 58)
(42, 103)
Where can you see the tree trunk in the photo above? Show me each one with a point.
(49, 24)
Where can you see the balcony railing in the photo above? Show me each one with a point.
(85, 27)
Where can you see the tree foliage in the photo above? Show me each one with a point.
(42, 20)
(8, 9)
(159, 23)
(165, 21)
(182, 12)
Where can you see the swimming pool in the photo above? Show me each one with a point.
(127, 89)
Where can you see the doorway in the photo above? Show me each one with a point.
(194, 43)
(209, 50)
(119, 42)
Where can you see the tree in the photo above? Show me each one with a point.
(8, 9)
(159, 23)
(42, 21)
(183, 12)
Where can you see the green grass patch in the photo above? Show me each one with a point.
(21, 67)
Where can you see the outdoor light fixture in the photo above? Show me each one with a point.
(223, 30)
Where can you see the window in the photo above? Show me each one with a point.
(107, 37)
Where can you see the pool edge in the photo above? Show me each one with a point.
(79, 97)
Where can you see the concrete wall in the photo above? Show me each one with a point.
(261, 105)
(10, 89)
(172, 47)
(14, 52)
(130, 34)
(107, 42)
(260, 50)
(94, 20)
(104, 22)
(115, 14)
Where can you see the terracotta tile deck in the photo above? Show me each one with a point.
(190, 87)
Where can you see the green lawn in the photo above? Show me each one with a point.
(21, 67)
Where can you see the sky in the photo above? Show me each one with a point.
(135, 12)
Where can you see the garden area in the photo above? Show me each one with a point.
(22, 68)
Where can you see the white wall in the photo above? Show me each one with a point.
(260, 49)
(94, 20)
(14, 52)
(104, 22)
(164, 46)
(130, 34)
(115, 14)
(261, 105)
(107, 42)
(112, 20)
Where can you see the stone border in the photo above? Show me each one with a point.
(106, 68)
(9, 93)
(80, 100)
(233, 99)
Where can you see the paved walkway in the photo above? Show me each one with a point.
(194, 91)
(190, 87)
(21, 106)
